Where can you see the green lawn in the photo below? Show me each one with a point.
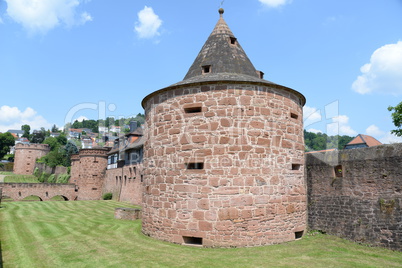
(85, 234)
(21, 179)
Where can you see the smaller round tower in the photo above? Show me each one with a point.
(88, 171)
(26, 155)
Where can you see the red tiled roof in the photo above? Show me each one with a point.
(365, 139)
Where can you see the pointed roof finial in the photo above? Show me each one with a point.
(221, 11)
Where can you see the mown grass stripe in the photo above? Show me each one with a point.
(85, 234)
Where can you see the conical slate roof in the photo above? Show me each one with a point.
(222, 53)
(222, 59)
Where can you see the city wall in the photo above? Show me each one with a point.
(357, 194)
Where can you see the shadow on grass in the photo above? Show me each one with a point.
(1, 256)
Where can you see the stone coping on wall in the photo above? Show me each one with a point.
(371, 153)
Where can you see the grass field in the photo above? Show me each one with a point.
(85, 234)
(21, 179)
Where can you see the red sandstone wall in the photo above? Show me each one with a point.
(250, 138)
(26, 155)
(18, 191)
(88, 173)
(125, 184)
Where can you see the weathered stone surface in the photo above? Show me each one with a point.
(364, 204)
(26, 155)
(247, 166)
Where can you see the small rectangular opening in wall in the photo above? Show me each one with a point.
(338, 171)
(94, 189)
(192, 110)
(299, 235)
(294, 116)
(206, 69)
(195, 165)
(188, 240)
(233, 40)
(296, 166)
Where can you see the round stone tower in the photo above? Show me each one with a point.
(224, 156)
(26, 156)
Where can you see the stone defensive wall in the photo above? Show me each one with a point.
(224, 165)
(26, 155)
(357, 194)
(45, 191)
(125, 184)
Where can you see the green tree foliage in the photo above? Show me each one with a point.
(69, 150)
(52, 142)
(6, 140)
(320, 141)
(90, 124)
(39, 136)
(55, 129)
(62, 139)
(396, 119)
(59, 154)
(26, 129)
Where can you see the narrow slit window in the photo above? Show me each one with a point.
(233, 40)
(338, 171)
(192, 240)
(192, 110)
(294, 116)
(296, 166)
(195, 166)
(206, 69)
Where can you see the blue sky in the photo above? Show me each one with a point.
(66, 59)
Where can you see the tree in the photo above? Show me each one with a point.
(62, 139)
(6, 140)
(69, 150)
(52, 142)
(38, 136)
(55, 129)
(396, 119)
(26, 129)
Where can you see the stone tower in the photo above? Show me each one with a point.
(224, 161)
(26, 155)
(88, 169)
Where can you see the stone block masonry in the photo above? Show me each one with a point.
(26, 155)
(88, 172)
(357, 194)
(125, 183)
(45, 191)
(229, 173)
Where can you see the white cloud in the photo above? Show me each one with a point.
(340, 126)
(85, 16)
(148, 23)
(373, 130)
(311, 115)
(384, 72)
(14, 118)
(390, 138)
(275, 3)
(80, 119)
(44, 15)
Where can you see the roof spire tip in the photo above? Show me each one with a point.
(221, 11)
